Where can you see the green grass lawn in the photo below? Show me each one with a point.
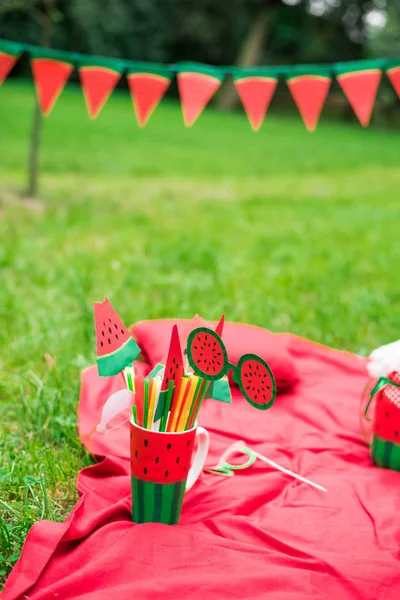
(285, 229)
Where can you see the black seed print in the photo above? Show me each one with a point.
(171, 369)
(157, 459)
(178, 458)
(184, 469)
(102, 333)
(122, 331)
(146, 443)
(396, 433)
(136, 453)
(166, 473)
(168, 446)
(110, 330)
(101, 344)
(109, 320)
(145, 471)
(386, 414)
(188, 443)
(116, 336)
(173, 361)
(116, 326)
(104, 323)
(109, 341)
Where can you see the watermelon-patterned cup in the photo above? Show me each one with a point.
(162, 471)
(385, 447)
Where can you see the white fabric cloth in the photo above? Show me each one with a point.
(384, 360)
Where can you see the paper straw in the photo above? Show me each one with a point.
(147, 389)
(290, 473)
(196, 411)
(195, 401)
(187, 403)
(139, 386)
(152, 399)
(164, 418)
(158, 382)
(176, 410)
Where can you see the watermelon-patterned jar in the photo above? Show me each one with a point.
(385, 447)
(162, 471)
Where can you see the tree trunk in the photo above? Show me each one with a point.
(250, 55)
(31, 189)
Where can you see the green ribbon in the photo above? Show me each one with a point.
(382, 381)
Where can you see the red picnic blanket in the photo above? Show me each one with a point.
(258, 534)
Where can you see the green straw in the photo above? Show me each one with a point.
(194, 401)
(134, 414)
(164, 418)
(145, 403)
(202, 396)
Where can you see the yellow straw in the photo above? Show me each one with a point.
(188, 403)
(177, 410)
(151, 403)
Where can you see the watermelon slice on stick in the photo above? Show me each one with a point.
(174, 371)
(256, 381)
(116, 348)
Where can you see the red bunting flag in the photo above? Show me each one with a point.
(309, 91)
(9, 54)
(147, 87)
(255, 89)
(394, 75)
(360, 88)
(50, 77)
(197, 84)
(98, 82)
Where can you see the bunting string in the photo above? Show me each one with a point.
(148, 82)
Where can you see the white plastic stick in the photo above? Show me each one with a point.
(240, 445)
(299, 477)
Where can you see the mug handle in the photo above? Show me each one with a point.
(203, 441)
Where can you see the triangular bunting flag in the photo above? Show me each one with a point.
(50, 76)
(147, 87)
(197, 84)
(394, 75)
(255, 88)
(360, 85)
(309, 90)
(9, 53)
(98, 79)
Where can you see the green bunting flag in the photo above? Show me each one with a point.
(197, 84)
(9, 53)
(360, 82)
(50, 74)
(147, 86)
(98, 79)
(393, 72)
(309, 87)
(255, 88)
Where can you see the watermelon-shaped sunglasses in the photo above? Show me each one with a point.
(208, 358)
